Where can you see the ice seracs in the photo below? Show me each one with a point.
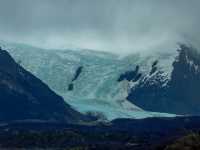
(96, 89)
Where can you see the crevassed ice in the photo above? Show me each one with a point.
(96, 89)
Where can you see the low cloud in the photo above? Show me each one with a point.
(118, 26)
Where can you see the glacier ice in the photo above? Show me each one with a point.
(96, 89)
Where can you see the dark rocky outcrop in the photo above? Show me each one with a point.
(185, 80)
(154, 67)
(71, 87)
(23, 96)
(131, 75)
(180, 95)
(77, 74)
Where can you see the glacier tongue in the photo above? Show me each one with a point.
(96, 89)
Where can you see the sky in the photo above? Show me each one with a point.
(118, 26)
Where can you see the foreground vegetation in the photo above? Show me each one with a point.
(146, 134)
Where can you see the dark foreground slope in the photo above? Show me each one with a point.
(23, 96)
(188, 142)
(123, 134)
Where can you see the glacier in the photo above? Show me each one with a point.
(96, 89)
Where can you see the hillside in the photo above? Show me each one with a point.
(25, 97)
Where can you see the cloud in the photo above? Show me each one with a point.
(119, 26)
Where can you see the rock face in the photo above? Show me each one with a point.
(77, 74)
(23, 96)
(131, 75)
(180, 94)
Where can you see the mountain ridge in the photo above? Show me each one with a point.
(177, 95)
(23, 96)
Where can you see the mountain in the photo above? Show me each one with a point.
(179, 94)
(86, 79)
(25, 97)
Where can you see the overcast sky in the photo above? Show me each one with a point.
(120, 26)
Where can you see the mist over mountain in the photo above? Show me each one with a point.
(121, 27)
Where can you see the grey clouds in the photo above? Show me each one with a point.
(119, 26)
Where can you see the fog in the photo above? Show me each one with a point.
(118, 26)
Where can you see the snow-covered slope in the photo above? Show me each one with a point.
(96, 88)
(178, 94)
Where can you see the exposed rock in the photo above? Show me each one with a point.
(23, 96)
(180, 94)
